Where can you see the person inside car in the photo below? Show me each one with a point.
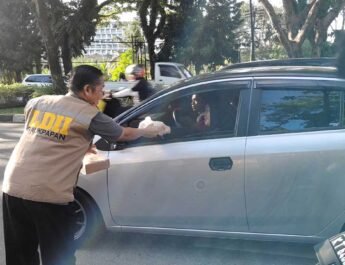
(202, 112)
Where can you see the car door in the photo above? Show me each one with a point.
(295, 156)
(189, 179)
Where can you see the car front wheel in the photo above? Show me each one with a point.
(88, 223)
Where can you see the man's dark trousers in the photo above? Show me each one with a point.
(29, 224)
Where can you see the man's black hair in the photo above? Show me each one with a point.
(84, 75)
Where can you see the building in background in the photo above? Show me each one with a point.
(107, 42)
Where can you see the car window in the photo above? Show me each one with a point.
(169, 71)
(46, 79)
(185, 71)
(39, 79)
(32, 79)
(205, 112)
(300, 110)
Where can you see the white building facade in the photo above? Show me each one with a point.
(107, 42)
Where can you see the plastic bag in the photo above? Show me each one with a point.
(163, 129)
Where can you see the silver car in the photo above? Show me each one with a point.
(269, 164)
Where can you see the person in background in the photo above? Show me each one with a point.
(141, 88)
(43, 169)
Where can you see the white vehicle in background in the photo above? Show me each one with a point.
(169, 73)
(166, 73)
(38, 80)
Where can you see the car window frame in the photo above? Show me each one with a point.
(243, 108)
(284, 83)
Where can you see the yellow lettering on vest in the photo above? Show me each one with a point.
(66, 125)
(34, 122)
(48, 121)
(57, 124)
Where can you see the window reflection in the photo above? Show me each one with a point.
(298, 110)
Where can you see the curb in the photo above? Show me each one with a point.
(15, 118)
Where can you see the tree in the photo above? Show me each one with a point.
(45, 21)
(212, 34)
(302, 18)
(161, 20)
(20, 43)
(75, 29)
(66, 27)
(125, 59)
(266, 42)
(152, 17)
(221, 23)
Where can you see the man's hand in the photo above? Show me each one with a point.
(153, 131)
(92, 149)
(150, 131)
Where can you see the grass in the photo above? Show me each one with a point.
(16, 110)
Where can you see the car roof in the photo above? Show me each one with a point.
(263, 71)
(324, 61)
(251, 72)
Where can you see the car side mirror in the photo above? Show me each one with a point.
(103, 145)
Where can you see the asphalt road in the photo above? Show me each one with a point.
(139, 249)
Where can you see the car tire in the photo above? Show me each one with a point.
(88, 222)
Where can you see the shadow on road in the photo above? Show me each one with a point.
(205, 250)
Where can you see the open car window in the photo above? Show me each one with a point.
(215, 117)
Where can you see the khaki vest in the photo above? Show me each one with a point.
(45, 163)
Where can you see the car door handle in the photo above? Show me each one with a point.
(220, 163)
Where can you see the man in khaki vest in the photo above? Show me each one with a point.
(44, 167)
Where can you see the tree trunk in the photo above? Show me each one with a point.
(152, 56)
(294, 36)
(198, 68)
(66, 55)
(151, 9)
(18, 76)
(321, 27)
(38, 65)
(42, 12)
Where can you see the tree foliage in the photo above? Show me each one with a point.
(190, 31)
(51, 29)
(66, 27)
(125, 59)
(20, 42)
(46, 21)
(267, 44)
(76, 28)
(211, 34)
